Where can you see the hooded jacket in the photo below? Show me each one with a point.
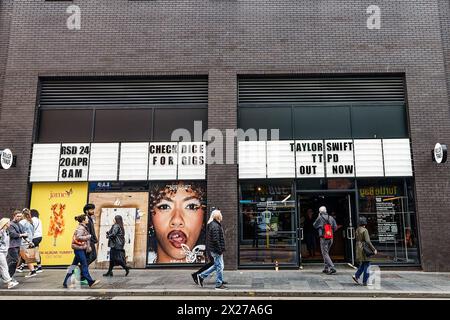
(15, 229)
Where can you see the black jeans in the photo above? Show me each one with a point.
(12, 259)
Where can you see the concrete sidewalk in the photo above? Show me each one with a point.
(309, 282)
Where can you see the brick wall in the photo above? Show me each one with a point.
(5, 21)
(224, 38)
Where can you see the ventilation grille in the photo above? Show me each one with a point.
(344, 89)
(123, 92)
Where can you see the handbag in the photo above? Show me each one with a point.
(368, 252)
(28, 254)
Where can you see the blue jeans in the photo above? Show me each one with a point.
(363, 267)
(218, 267)
(80, 258)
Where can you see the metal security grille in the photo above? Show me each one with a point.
(124, 92)
(290, 90)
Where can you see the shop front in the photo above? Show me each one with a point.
(343, 144)
(113, 148)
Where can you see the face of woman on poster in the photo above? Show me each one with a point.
(177, 219)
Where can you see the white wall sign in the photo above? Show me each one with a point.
(252, 159)
(397, 158)
(133, 161)
(6, 159)
(440, 153)
(339, 158)
(74, 162)
(310, 158)
(368, 158)
(104, 162)
(45, 162)
(330, 158)
(280, 159)
(191, 160)
(163, 161)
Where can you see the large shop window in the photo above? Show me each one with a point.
(322, 122)
(267, 118)
(168, 120)
(388, 205)
(65, 125)
(379, 121)
(131, 125)
(268, 225)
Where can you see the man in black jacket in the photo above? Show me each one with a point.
(216, 246)
(208, 264)
(89, 211)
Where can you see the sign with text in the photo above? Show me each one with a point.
(163, 161)
(6, 159)
(74, 162)
(310, 158)
(339, 158)
(191, 160)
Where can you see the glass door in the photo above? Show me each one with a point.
(341, 207)
(268, 220)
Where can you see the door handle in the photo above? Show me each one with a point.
(301, 233)
(350, 233)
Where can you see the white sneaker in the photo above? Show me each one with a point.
(12, 284)
(38, 269)
(19, 269)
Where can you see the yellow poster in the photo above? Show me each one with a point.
(58, 205)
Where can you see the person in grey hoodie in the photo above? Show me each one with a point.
(16, 234)
(4, 247)
(325, 244)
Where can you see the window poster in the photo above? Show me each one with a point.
(58, 204)
(177, 221)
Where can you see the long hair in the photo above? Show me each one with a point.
(214, 215)
(27, 215)
(119, 221)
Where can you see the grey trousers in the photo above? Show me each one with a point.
(325, 246)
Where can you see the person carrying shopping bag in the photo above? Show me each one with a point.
(364, 250)
(81, 246)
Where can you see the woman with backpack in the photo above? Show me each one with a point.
(116, 241)
(81, 246)
(364, 250)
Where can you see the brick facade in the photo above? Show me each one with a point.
(225, 38)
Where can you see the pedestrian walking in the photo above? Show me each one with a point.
(116, 241)
(37, 237)
(326, 226)
(89, 210)
(81, 246)
(4, 247)
(364, 250)
(215, 240)
(15, 235)
(27, 244)
(209, 262)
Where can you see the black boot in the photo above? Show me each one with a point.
(108, 274)
(127, 271)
